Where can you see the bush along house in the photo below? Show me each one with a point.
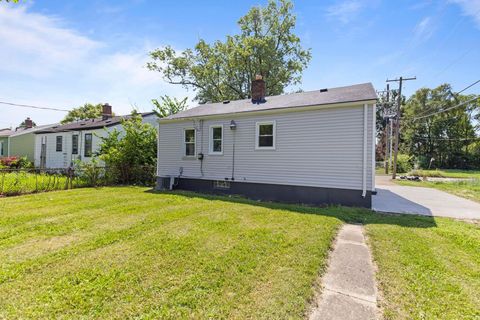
(60, 146)
(312, 147)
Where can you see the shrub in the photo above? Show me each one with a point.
(404, 163)
(15, 162)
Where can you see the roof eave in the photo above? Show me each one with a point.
(276, 110)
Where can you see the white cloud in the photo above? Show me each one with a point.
(45, 63)
(470, 8)
(424, 29)
(344, 11)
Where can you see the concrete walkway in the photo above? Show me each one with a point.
(349, 290)
(424, 201)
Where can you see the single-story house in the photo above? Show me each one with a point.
(313, 147)
(4, 134)
(21, 141)
(60, 146)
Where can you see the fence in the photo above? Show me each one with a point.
(22, 181)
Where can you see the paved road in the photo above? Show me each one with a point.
(424, 201)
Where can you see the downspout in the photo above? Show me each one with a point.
(8, 146)
(365, 131)
(374, 130)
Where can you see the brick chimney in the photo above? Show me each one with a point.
(106, 111)
(258, 90)
(28, 123)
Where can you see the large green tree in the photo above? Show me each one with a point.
(87, 111)
(223, 70)
(168, 106)
(431, 132)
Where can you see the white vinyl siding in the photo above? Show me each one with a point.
(319, 148)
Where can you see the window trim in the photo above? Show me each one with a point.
(184, 144)
(74, 144)
(210, 140)
(85, 145)
(56, 144)
(257, 134)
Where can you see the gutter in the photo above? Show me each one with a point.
(365, 138)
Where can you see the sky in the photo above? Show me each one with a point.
(62, 54)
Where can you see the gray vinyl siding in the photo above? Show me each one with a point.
(319, 148)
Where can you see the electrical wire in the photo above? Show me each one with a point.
(31, 106)
(445, 110)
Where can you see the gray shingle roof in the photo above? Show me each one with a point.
(354, 93)
(90, 124)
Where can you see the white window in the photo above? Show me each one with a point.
(216, 140)
(189, 141)
(265, 135)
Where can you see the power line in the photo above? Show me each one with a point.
(445, 110)
(425, 112)
(33, 107)
(468, 86)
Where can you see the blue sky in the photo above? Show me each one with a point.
(65, 53)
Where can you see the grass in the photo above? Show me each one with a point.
(447, 173)
(127, 253)
(427, 273)
(465, 189)
(16, 183)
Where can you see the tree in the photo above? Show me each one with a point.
(168, 106)
(130, 156)
(87, 111)
(429, 133)
(266, 45)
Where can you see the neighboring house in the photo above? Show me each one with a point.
(4, 134)
(21, 142)
(312, 147)
(60, 146)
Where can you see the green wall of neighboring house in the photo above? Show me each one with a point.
(23, 146)
(4, 143)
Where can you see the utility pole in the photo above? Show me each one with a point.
(387, 131)
(397, 122)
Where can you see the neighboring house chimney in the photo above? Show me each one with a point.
(106, 111)
(258, 90)
(28, 123)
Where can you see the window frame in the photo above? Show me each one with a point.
(211, 140)
(184, 144)
(74, 144)
(85, 145)
(257, 135)
(57, 144)
(1, 148)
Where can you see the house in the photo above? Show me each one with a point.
(4, 134)
(21, 141)
(312, 147)
(59, 146)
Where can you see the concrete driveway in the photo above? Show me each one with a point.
(424, 201)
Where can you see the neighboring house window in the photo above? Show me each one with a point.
(265, 135)
(75, 144)
(216, 140)
(88, 144)
(59, 144)
(1, 148)
(189, 140)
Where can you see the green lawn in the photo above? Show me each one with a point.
(16, 183)
(125, 252)
(425, 271)
(448, 173)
